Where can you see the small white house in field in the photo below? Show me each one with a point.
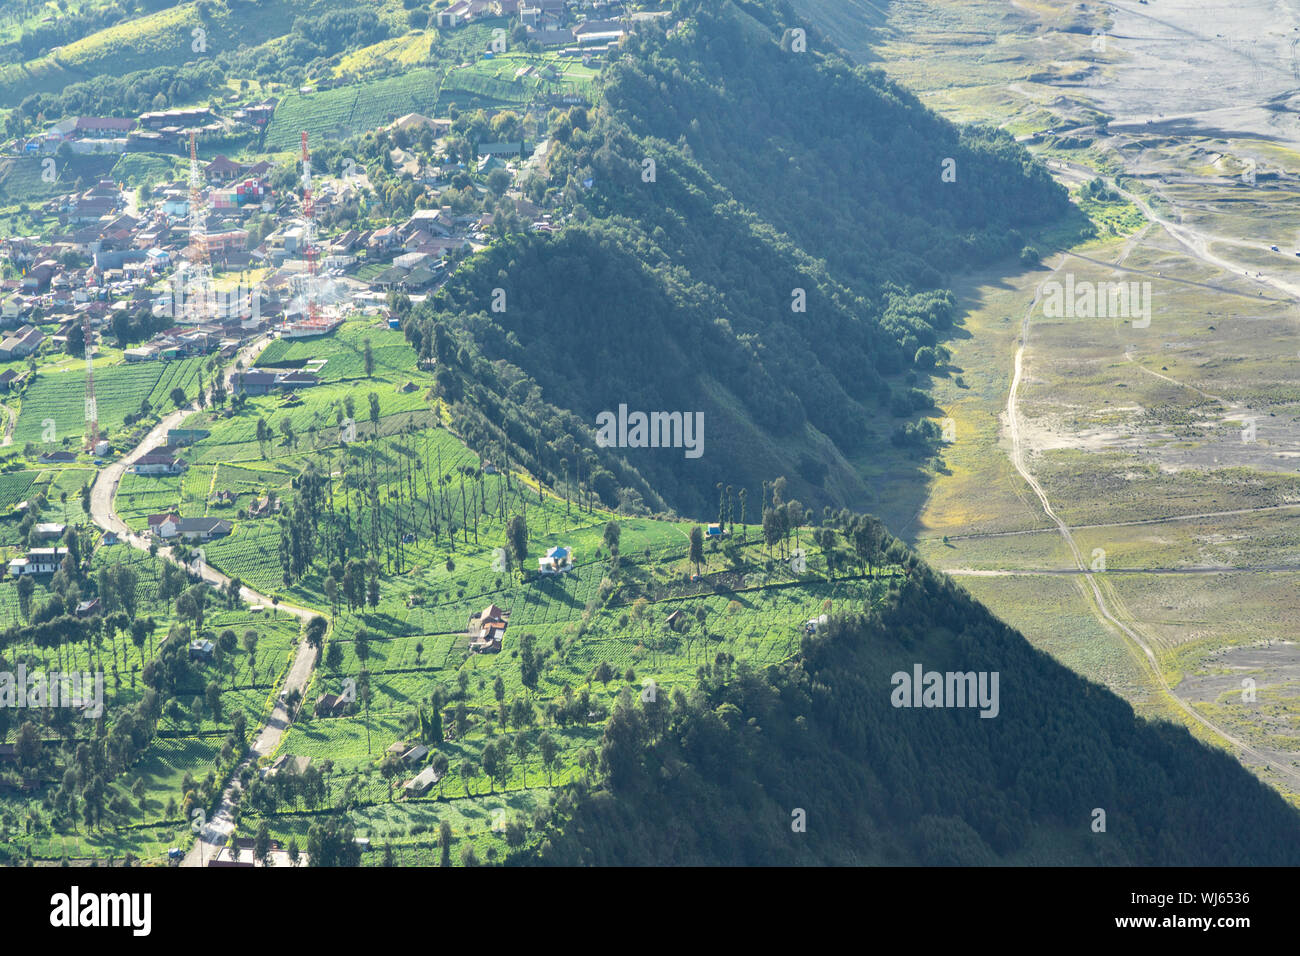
(557, 561)
(158, 463)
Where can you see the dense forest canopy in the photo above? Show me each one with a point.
(715, 776)
(733, 250)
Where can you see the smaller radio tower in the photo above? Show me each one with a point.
(92, 410)
(196, 285)
(309, 238)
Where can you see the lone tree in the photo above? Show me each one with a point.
(316, 628)
(517, 539)
(549, 750)
(178, 397)
(491, 763)
(444, 843)
(697, 547)
(262, 844)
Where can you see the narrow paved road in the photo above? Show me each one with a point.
(1197, 569)
(110, 476)
(1122, 524)
(215, 831)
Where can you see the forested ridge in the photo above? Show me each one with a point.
(714, 776)
(772, 171)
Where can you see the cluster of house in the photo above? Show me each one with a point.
(487, 628)
(419, 247)
(154, 131)
(44, 559)
(127, 253)
(240, 853)
(180, 342)
(232, 187)
(21, 343)
(64, 293)
(129, 248)
(551, 23)
(411, 756)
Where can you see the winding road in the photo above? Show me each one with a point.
(213, 832)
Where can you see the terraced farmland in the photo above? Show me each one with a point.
(22, 178)
(512, 79)
(13, 488)
(342, 112)
(139, 496)
(119, 389)
(345, 111)
(165, 37)
(344, 353)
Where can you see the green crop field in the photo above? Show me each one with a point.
(344, 352)
(512, 79)
(60, 396)
(348, 110)
(342, 112)
(188, 740)
(162, 38)
(26, 179)
(13, 487)
(147, 169)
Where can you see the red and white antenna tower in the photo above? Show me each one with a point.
(309, 237)
(92, 409)
(196, 291)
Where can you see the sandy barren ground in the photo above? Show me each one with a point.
(1203, 67)
(1133, 436)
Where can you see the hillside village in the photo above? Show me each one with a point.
(104, 288)
(110, 264)
(111, 258)
(258, 504)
